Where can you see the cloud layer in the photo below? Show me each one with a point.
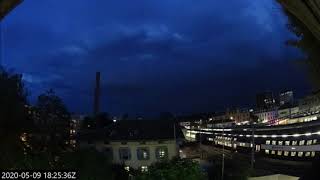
(173, 55)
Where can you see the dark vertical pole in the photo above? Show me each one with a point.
(1, 44)
(252, 122)
(97, 95)
(253, 147)
(223, 141)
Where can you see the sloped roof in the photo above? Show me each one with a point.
(133, 130)
(143, 130)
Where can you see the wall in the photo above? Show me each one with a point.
(133, 145)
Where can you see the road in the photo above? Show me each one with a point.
(263, 165)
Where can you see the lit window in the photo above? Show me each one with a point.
(300, 154)
(313, 154)
(161, 152)
(314, 141)
(279, 153)
(301, 143)
(293, 153)
(124, 154)
(294, 143)
(287, 143)
(268, 142)
(144, 168)
(273, 152)
(127, 168)
(307, 154)
(280, 143)
(286, 153)
(309, 142)
(274, 142)
(267, 151)
(143, 153)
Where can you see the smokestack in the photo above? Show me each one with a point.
(97, 95)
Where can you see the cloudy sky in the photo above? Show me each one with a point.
(180, 56)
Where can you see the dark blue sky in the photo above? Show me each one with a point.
(169, 55)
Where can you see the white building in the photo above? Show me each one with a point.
(138, 143)
(288, 112)
(267, 116)
(310, 104)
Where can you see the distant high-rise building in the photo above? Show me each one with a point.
(286, 97)
(96, 104)
(265, 100)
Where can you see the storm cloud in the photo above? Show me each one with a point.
(173, 55)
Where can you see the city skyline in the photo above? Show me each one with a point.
(153, 58)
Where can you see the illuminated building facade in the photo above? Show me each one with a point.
(135, 143)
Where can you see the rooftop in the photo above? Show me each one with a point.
(132, 130)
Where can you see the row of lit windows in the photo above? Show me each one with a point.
(224, 143)
(293, 153)
(293, 143)
(143, 153)
(223, 137)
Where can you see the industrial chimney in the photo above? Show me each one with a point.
(96, 104)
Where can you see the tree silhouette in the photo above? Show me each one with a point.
(306, 39)
(13, 117)
(52, 122)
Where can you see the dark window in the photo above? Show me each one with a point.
(142, 142)
(162, 152)
(124, 154)
(108, 152)
(143, 153)
(106, 142)
(123, 143)
(90, 141)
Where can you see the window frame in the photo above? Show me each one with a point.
(129, 153)
(140, 156)
(157, 151)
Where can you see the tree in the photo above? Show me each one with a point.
(13, 99)
(166, 116)
(88, 123)
(99, 121)
(103, 120)
(306, 40)
(13, 117)
(90, 164)
(53, 123)
(176, 169)
(235, 168)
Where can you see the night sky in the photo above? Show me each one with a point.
(181, 56)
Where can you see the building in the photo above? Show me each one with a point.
(310, 104)
(268, 116)
(288, 111)
(238, 115)
(286, 97)
(75, 125)
(136, 143)
(265, 100)
(297, 142)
